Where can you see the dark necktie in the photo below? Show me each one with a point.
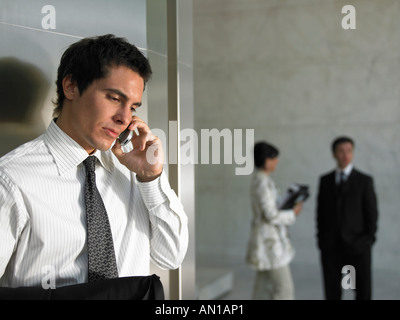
(342, 177)
(341, 180)
(101, 254)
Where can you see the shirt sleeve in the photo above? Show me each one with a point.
(268, 205)
(168, 223)
(13, 218)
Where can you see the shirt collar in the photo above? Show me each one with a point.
(346, 170)
(67, 153)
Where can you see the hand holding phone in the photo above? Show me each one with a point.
(147, 156)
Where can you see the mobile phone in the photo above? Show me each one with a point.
(125, 136)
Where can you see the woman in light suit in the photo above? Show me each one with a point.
(270, 250)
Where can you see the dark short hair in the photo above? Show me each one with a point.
(340, 140)
(262, 151)
(90, 59)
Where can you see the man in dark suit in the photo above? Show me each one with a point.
(346, 223)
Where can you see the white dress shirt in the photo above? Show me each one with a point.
(269, 246)
(43, 220)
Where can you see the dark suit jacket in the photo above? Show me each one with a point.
(346, 218)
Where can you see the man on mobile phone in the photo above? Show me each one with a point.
(43, 208)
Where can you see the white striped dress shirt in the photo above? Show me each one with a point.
(42, 214)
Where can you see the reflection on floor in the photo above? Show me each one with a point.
(214, 283)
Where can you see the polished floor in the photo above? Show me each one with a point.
(307, 279)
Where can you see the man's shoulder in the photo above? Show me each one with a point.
(23, 155)
(361, 175)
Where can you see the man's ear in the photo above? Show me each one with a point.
(70, 87)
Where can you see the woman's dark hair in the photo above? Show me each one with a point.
(262, 151)
(341, 140)
(90, 59)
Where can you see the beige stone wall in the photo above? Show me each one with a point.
(290, 71)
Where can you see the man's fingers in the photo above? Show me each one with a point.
(140, 141)
(117, 150)
(143, 134)
(139, 124)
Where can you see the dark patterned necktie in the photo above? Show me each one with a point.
(101, 254)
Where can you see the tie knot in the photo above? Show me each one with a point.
(90, 163)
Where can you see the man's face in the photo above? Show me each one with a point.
(98, 116)
(343, 154)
